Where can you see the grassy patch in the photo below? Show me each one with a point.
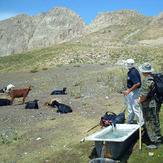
(7, 137)
(58, 55)
(34, 70)
(144, 156)
(114, 79)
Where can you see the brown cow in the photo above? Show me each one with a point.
(17, 93)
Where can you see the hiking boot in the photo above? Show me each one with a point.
(153, 146)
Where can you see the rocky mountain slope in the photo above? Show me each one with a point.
(119, 17)
(122, 27)
(23, 32)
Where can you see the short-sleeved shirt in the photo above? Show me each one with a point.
(147, 89)
(133, 78)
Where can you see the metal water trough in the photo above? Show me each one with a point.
(114, 147)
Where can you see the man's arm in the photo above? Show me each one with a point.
(131, 89)
(141, 99)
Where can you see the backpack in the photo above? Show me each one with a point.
(158, 80)
(108, 119)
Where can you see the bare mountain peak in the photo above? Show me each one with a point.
(119, 17)
(158, 20)
(121, 13)
(54, 9)
(20, 16)
(161, 14)
(23, 32)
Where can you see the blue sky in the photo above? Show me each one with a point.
(87, 9)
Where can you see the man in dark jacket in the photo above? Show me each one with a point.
(133, 85)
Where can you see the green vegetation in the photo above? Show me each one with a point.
(8, 136)
(115, 79)
(144, 156)
(44, 68)
(34, 70)
(67, 53)
(76, 89)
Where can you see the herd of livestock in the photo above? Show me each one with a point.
(23, 93)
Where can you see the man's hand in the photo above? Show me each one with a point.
(135, 86)
(138, 101)
(126, 92)
(141, 99)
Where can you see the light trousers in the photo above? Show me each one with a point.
(133, 108)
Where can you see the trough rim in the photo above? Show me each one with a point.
(122, 139)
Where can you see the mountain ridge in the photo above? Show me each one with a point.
(23, 33)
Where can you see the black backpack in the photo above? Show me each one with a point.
(108, 119)
(158, 79)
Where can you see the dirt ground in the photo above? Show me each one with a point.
(47, 125)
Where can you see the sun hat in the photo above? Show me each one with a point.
(146, 67)
(129, 63)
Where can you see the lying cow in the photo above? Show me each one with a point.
(32, 105)
(4, 102)
(59, 92)
(62, 108)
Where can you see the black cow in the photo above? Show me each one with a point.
(62, 108)
(59, 92)
(32, 105)
(4, 102)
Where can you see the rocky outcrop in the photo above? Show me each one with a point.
(158, 20)
(23, 32)
(154, 31)
(15, 34)
(119, 17)
(59, 24)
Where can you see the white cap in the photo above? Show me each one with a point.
(129, 63)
